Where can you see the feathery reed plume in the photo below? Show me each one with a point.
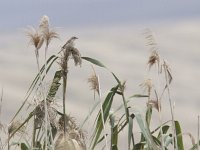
(154, 58)
(73, 134)
(45, 30)
(147, 85)
(36, 39)
(48, 34)
(150, 40)
(40, 114)
(95, 85)
(68, 51)
(44, 24)
(93, 81)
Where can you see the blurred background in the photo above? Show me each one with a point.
(111, 31)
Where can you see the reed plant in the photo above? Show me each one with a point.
(53, 128)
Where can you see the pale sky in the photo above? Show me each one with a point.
(19, 13)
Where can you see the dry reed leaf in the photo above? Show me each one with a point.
(74, 138)
(168, 71)
(40, 114)
(154, 104)
(191, 137)
(14, 126)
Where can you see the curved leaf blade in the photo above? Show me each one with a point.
(94, 61)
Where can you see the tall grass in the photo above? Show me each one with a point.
(53, 128)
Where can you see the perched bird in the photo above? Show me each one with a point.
(70, 42)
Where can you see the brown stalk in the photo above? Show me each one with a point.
(68, 51)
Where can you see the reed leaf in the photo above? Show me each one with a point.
(148, 115)
(49, 62)
(114, 132)
(114, 137)
(24, 147)
(165, 129)
(130, 132)
(106, 109)
(25, 121)
(94, 61)
(179, 136)
(146, 132)
(90, 113)
(54, 86)
(138, 96)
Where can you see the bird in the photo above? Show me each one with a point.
(69, 43)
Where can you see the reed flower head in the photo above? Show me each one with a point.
(69, 51)
(45, 30)
(151, 42)
(65, 142)
(40, 114)
(44, 24)
(94, 82)
(76, 56)
(153, 59)
(36, 39)
(147, 85)
(72, 132)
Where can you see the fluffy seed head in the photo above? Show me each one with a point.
(40, 114)
(153, 59)
(147, 85)
(94, 83)
(36, 39)
(44, 29)
(44, 24)
(69, 51)
(73, 133)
